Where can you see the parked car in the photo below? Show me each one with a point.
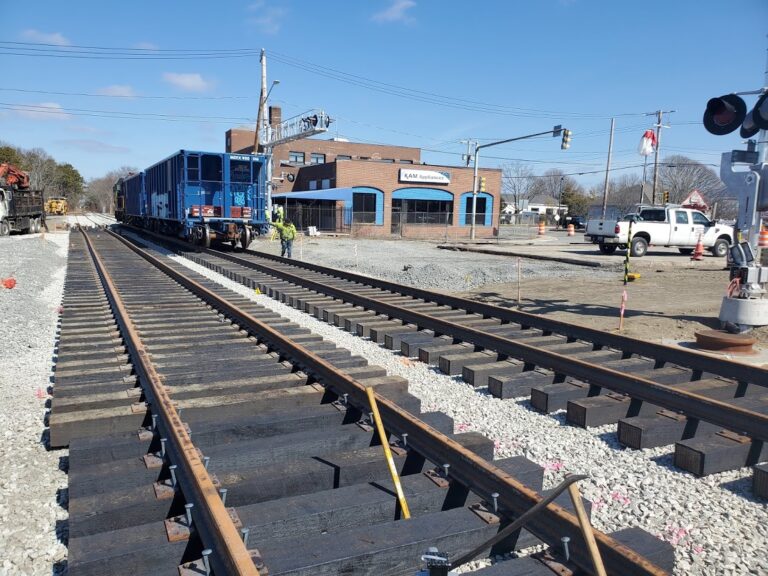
(579, 222)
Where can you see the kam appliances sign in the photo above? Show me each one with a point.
(426, 176)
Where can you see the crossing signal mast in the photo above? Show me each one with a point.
(746, 304)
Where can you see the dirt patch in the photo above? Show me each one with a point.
(665, 303)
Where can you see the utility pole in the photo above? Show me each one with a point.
(468, 155)
(262, 113)
(659, 126)
(607, 170)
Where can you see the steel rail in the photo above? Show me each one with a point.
(211, 519)
(466, 467)
(735, 418)
(687, 358)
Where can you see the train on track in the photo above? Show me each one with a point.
(204, 197)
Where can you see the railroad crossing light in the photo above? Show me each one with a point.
(757, 118)
(726, 113)
(482, 183)
(666, 197)
(566, 143)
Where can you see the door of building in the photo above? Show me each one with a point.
(397, 208)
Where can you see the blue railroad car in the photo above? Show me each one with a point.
(201, 196)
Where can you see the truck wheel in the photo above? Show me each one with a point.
(607, 248)
(720, 248)
(639, 247)
(4, 228)
(685, 251)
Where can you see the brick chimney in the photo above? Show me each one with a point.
(275, 116)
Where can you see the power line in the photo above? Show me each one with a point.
(37, 109)
(103, 52)
(127, 96)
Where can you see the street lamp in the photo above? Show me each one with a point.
(555, 131)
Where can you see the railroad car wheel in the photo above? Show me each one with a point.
(4, 228)
(720, 248)
(206, 236)
(639, 247)
(607, 248)
(245, 238)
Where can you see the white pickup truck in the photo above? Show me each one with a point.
(661, 226)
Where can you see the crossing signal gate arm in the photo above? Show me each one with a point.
(747, 307)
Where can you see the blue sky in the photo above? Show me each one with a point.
(425, 73)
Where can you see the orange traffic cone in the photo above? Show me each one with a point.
(571, 230)
(542, 228)
(762, 239)
(698, 252)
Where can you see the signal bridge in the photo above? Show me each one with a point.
(301, 126)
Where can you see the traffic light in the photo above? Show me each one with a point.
(482, 183)
(726, 113)
(566, 143)
(666, 197)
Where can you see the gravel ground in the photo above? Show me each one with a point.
(421, 264)
(32, 513)
(715, 526)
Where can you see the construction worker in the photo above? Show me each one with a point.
(287, 232)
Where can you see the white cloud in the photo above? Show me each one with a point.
(269, 19)
(94, 146)
(45, 38)
(85, 129)
(117, 90)
(396, 12)
(190, 82)
(42, 111)
(145, 46)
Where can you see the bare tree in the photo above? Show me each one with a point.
(517, 180)
(42, 168)
(680, 175)
(100, 196)
(554, 184)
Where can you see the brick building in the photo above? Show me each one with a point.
(375, 190)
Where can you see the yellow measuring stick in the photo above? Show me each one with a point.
(387, 452)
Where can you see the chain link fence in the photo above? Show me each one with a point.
(440, 226)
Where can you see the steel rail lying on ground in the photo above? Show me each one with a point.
(211, 519)
(735, 418)
(466, 467)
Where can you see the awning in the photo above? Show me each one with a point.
(326, 194)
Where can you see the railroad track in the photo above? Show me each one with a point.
(715, 411)
(206, 431)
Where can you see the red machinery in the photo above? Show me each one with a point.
(13, 176)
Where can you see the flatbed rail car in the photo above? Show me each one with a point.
(203, 197)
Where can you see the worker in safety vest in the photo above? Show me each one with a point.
(287, 232)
